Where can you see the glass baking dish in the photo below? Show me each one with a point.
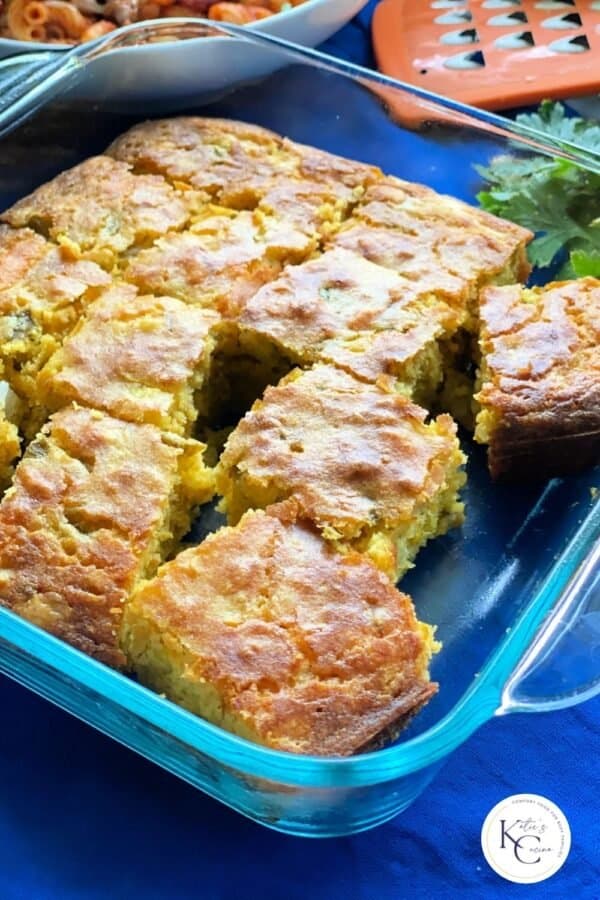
(514, 594)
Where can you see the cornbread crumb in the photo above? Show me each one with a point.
(359, 459)
(268, 632)
(539, 379)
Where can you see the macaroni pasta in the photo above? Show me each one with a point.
(72, 21)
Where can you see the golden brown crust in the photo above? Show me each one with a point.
(394, 203)
(135, 357)
(236, 163)
(44, 282)
(343, 309)
(541, 378)
(43, 292)
(319, 165)
(422, 234)
(309, 651)
(315, 209)
(355, 456)
(100, 209)
(407, 254)
(232, 161)
(87, 500)
(218, 264)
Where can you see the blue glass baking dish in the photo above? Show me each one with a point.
(515, 593)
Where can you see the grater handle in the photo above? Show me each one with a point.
(562, 666)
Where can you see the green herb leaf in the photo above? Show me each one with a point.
(556, 199)
(586, 263)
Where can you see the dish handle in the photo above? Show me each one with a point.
(561, 667)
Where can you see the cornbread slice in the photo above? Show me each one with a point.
(265, 630)
(315, 209)
(43, 292)
(539, 379)
(236, 163)
(232, 161)
(359, 459)
(100, 209)
(340, 308)
(96, 504)
(221, 261)
(139, 358)
(419, 233)
(319, 165)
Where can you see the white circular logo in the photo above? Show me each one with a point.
(526, 838)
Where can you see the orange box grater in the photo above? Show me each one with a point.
(491, 53)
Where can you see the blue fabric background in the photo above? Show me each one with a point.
(81, 817)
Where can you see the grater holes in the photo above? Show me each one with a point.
(577, 44)
(464, 61)
(520, 40)
(454, 18)
(505, 21)
(466, 36)
(499, 4)
(572, 20)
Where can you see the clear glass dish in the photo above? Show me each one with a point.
(515, 594)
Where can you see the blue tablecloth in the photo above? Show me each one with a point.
(81, 817)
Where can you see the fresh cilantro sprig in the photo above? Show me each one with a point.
(555, 198)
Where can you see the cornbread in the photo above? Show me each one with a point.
(10, 447)
(359, 459)
(100, 210)
(95, 506)
(342, 309)
(539, 379)
(318, 165)
(419, 233)
(139, 358)
(268, 632)
(232, 161)
(315, 209)
(218, 263)
(43, 292)
(236, 163)
(155, 292)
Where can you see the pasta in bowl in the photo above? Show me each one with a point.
(72, 21)
(168, 74)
